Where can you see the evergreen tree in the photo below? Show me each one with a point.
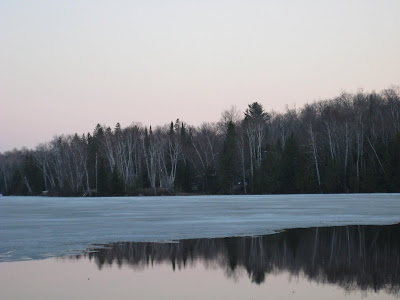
(229, 160)
(32, 175)
(270, 168)
(255, 112)
(393, 173)
(117, 184)
(187, 178)
(184, 176)
(290, 166)
(183, 132)
(17, 186)
(331, 177)
(102, 179)
(348, 144)
(97, 172)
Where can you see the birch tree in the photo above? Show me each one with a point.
(255, 122)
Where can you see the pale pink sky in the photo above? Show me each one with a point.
(67, 65)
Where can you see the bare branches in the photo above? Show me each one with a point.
(344, 144)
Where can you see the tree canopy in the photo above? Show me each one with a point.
(346, 144)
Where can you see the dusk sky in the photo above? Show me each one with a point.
(67, 65)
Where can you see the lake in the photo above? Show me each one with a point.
(201, 247)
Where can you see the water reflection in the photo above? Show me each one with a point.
(353, 257)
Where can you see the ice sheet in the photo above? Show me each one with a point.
(40, 227)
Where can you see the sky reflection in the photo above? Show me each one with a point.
(349, 262)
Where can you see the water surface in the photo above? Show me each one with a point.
(39, 227)
(347, 262)
(202, 247)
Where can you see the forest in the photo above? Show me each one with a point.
(348, 144)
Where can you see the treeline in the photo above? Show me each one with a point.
(347, 144)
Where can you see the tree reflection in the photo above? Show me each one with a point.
(353, 257)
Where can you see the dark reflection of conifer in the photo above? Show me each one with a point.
(353, 257)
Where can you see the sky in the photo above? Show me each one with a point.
(67, 65)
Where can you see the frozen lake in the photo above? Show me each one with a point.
(40, 227)
(347, 262)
